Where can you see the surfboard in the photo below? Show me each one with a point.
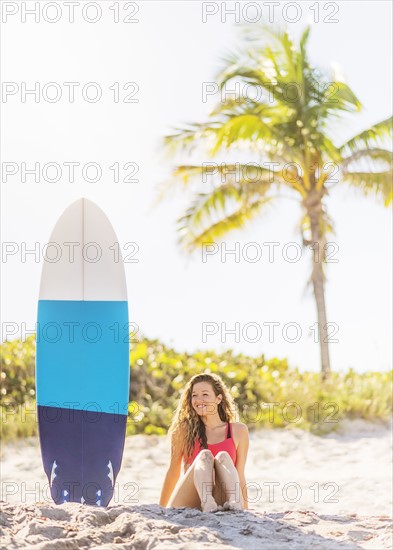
(82, 357)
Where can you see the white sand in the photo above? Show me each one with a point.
(353, 468)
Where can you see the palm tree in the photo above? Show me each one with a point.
(291, 128)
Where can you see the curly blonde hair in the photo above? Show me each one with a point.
(189, 422)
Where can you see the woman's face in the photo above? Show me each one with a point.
(203, 398)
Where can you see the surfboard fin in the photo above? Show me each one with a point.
(110, 474)
(53, 473)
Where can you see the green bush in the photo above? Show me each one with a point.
(267, 392)
(17, 371)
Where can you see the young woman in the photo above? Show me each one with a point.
(211, 449)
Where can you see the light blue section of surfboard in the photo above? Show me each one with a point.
(87, 367)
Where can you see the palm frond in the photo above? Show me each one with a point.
(372, 155)
(243, 127)
(370, 171)
(236, 220)
(369, 137)
(190, 136)
(375, 183)
(340, 97)
(250, 177)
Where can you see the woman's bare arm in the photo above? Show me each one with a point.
(174, 469)
(170, 481)
(241, 457)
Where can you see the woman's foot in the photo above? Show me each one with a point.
(232, 505)
(210, 505)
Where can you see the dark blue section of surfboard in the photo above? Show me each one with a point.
(79, 446)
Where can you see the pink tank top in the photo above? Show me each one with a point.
(227, 445)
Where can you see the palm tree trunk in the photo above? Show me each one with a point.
(313, 205)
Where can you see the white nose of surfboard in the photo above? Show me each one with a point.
(83, 259)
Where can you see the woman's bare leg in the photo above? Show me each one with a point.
(194, 489)
(227, 490)
(203, 479)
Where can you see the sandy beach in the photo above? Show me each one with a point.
(304, 491)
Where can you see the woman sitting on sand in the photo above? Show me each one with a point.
(213, 450)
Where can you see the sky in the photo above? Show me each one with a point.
(168, 53)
